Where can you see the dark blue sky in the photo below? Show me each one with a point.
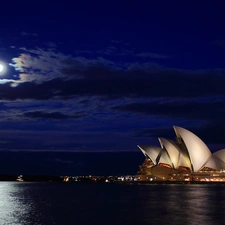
(84, 76)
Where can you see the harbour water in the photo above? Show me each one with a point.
(24, 203)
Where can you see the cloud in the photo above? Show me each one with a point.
(59, 160)
(43, 65)
(108, 50)
(118, 51)
(23, 33)
(219, 43)
(204, 115)
(53, 115)
(49, 74)
(38, 65)
(210, 132)
(99, 86)
(116, 41)
(46, 115)
(153, 55)
(190, 108)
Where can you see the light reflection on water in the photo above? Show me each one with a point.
(185, 204)
(17, 205)
(24, 203)
(12, 204)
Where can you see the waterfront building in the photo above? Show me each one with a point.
(185, 159)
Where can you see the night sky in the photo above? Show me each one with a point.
(104, 76)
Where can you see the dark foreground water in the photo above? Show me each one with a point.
(111, 204)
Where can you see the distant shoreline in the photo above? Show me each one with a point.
(167, 182)
(93, 179)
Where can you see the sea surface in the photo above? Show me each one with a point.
(111, 204)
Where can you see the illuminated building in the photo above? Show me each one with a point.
(185, 159)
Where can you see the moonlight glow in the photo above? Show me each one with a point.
(2, 67)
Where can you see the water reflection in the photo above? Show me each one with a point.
(24, 203)
(184, 204)
(17, 205)
(12, 206)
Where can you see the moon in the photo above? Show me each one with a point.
(2, 68)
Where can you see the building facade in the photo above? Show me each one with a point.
(185, 159)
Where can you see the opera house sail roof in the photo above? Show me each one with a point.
(188, 152)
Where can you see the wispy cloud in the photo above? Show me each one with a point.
(131, 52)
(51, 74)
(99, 87)
(23, 33)
(153, 55)
(52, 115)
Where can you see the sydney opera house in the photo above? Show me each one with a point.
(185, 159)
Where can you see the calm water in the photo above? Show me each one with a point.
(111, 204)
